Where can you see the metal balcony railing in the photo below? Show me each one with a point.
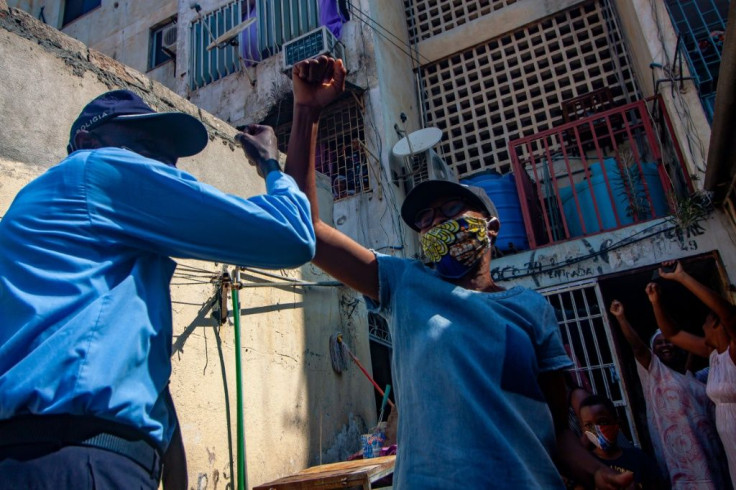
(598, 173)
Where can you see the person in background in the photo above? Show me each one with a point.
(85, 308)
(575, 397)
(718, 344)
(679, 414)
(599, 423)
(478, 368)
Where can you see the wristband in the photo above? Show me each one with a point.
(268, 166)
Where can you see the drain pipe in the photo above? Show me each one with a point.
(241, 485)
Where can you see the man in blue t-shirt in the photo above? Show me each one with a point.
(477, 368)
(85, 267)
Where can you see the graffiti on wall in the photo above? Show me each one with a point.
(637, 246)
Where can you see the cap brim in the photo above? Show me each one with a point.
(186, 133)
(421, 196)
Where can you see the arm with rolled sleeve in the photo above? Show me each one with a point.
(143, 204)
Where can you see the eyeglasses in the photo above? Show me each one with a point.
(448, 209)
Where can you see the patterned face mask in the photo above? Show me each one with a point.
(604, 436)
(456, 245)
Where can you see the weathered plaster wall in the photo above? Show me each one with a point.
(641, 245)
(652, 41)
(392, 91)
(297, 410)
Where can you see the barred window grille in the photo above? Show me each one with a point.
(277, 21)
(207, 66)
(427, 18)
(701, 26)
(340, 151)
(378, 330)
(586, 335)
(280, 21)
(514, 86)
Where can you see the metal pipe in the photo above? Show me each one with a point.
(241, 485)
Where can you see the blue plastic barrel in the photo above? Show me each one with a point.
(617, 199)
(502, 191)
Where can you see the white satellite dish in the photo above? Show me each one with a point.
(228, 36)
(417, 142)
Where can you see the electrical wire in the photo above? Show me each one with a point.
(266, 273)
(629, 240)
(286, 281)
(180, 265)
(381, 31)
(386, 180)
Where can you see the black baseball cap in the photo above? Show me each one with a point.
(187, 133)
(421, 196)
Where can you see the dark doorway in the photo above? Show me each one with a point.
(686, 310)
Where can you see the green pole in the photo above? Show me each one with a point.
(239, 383)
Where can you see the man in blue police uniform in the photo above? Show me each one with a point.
(85, 309)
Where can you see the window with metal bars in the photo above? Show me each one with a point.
(515, 85)
(587, 337)
(427, 18)
(277, 21)
(700, 26)
(209, 65)
(280, 21)
(341, 153)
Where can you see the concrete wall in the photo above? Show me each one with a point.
(505, 20)
(297, 410)
(638, 246)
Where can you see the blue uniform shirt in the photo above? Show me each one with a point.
(465, 364)
(85, 310)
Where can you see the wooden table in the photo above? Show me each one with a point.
(346, 474)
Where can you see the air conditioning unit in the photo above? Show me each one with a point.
(437, 168)
(310, 45)
(419, 161)
(168, 39)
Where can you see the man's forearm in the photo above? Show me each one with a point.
(301, 151)
(641, 350)
(710, 298)
(664, 323)
(575, 460)
(631, 336)
(265, 167)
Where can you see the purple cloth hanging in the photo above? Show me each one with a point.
(330, 16)
(248, 39)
